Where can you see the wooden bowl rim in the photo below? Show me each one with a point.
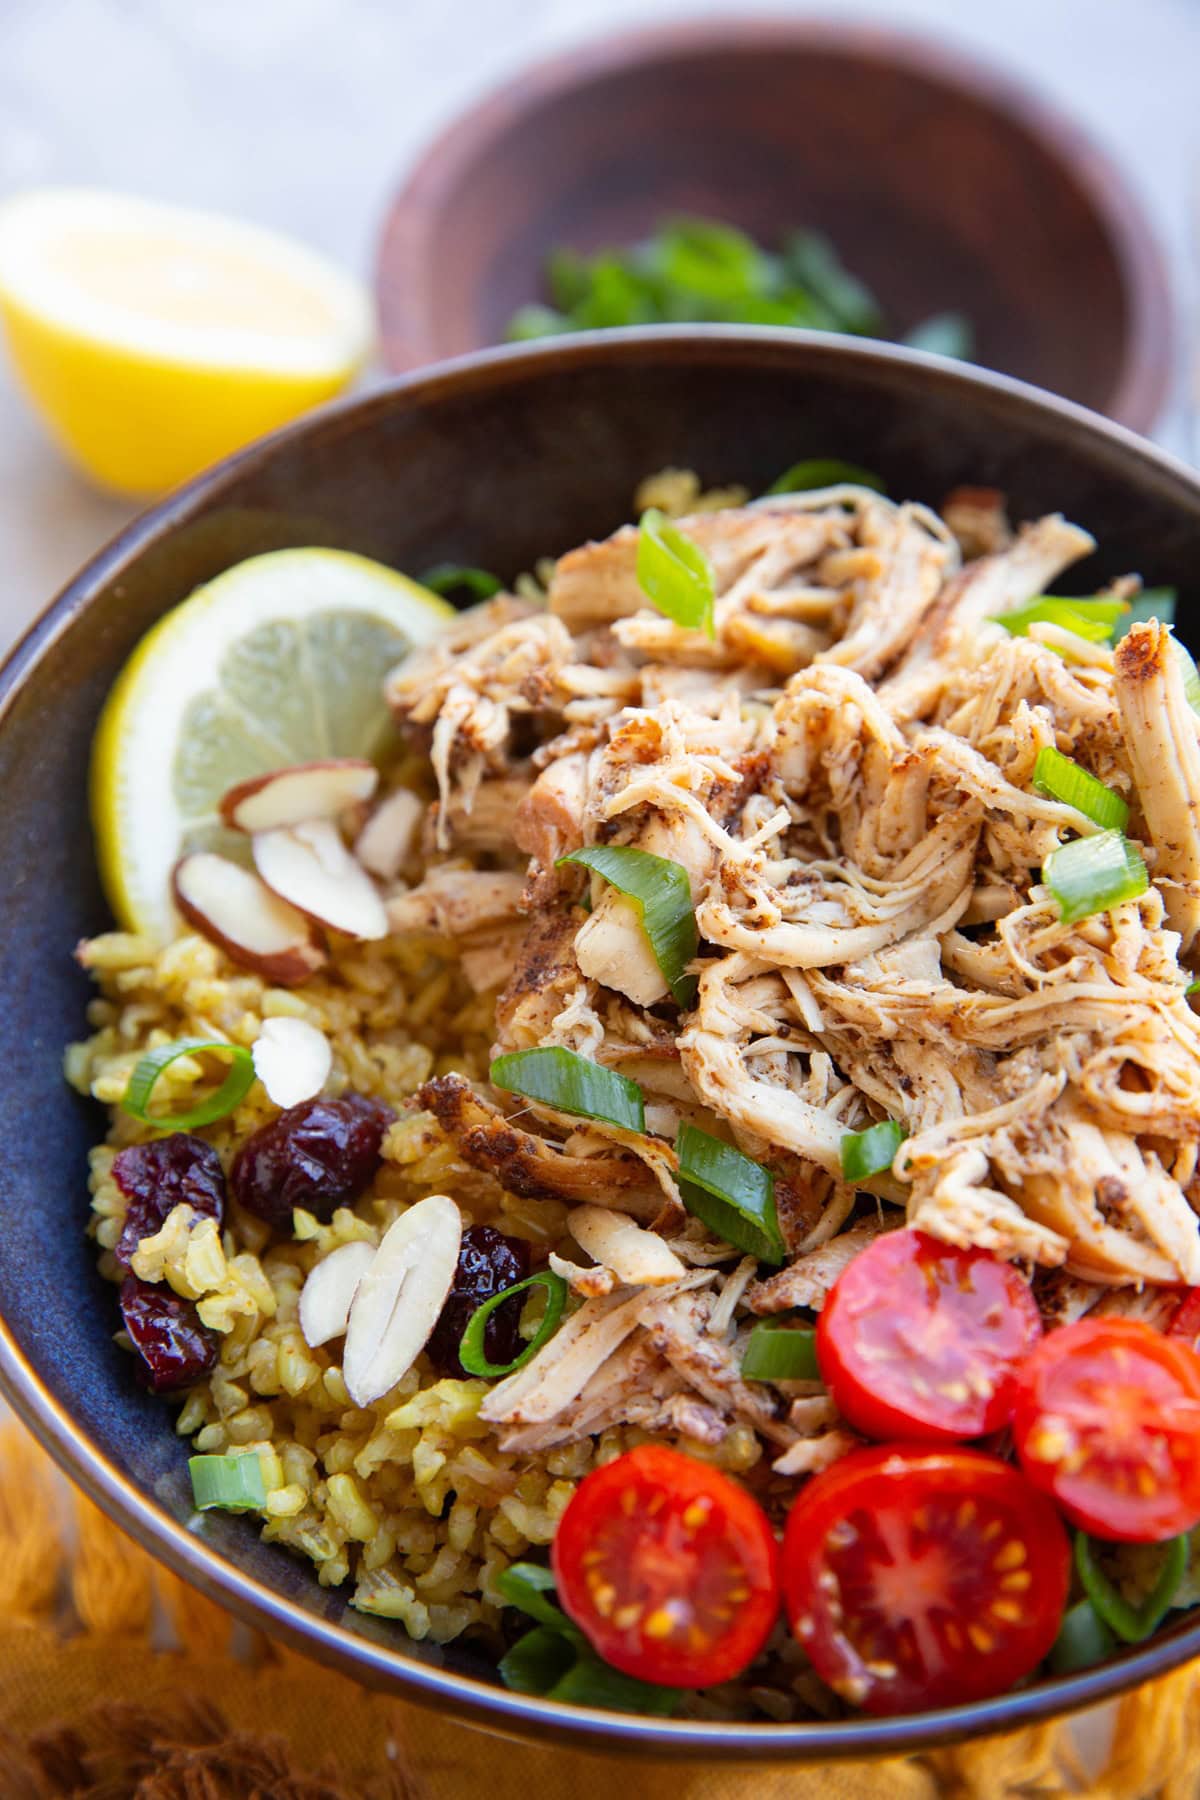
(1141, 380)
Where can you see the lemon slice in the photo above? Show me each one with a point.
(280, 660)
(154, 340)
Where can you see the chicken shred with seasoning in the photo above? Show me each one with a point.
(844, 771)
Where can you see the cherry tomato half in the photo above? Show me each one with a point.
(1107, 1419)
(1185, 1323)
(921, 1340)
(917, 1577)
(669, 1568)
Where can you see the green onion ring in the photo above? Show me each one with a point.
(662, 893)
(822, 472)
(1151, 603)
(471, 1352)
(1132, 1624)
(1093, 874)
(231, 1483)
(445, 577)
(1095, 620)
(1059, 778)
(1191, 676)
(674, 573)
(870, 1152)
(777, 1350)
(728, 1192)
(571, 1083)
(236, 1085)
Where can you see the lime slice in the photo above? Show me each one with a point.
(278, 661)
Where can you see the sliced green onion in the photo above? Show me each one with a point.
(232, 1483)
(1091, 875)
(471, 1352)
(1193, 987)
(538, 1661)
(1061, 779)
(234, 1088)
(943, 334)
(1132, 1624)
(1083, 1641)
(594, 1683)
(823, 472)
(445, 578)
(778, 1351)
(526, 1585)
(871, 1151)
(1151, 603)
(662, 893)
(571, 1084)
(674, 573)
(1099, 608)
(732, 1195)
(1090, 619)
(1191, 676)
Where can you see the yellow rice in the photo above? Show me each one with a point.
(410, 1500)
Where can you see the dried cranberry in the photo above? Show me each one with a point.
(175, 1348)
(180, 1170)
(488, 1263)
(319, 1156)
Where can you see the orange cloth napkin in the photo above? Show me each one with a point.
(90, 1708)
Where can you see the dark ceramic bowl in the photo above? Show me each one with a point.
(943, 184)
(494, 461)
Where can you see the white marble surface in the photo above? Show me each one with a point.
(300, 114)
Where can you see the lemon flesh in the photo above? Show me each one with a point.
(280, 660)
(153, 340)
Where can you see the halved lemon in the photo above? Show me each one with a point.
(154, 340)
(280, 660)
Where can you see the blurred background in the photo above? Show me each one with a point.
(304, 114)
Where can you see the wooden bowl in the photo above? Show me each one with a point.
(944, 186)
(495, 461)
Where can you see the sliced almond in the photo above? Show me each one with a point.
(313, 790)
(326, 1296)
(309, 866)
(233, 909)
(292, 1059)
(386, 840)
(638, 1258)
(400, 1297)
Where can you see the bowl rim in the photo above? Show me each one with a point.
(1145, 371)
(189, 1555)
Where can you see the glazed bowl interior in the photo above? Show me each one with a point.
(494, 461)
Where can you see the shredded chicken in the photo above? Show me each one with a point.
(1162, 735)
(844, 771)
